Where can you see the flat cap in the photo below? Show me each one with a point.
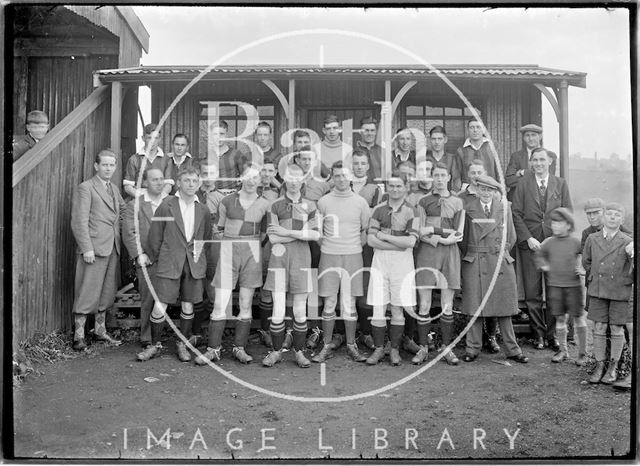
(615, 206)
(595, 203)
(562, 213)
(531, 127)
(486, 180)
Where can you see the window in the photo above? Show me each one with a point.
(452, 118)
(236, 117)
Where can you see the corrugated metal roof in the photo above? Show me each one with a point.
(468, 71)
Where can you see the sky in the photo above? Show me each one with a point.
(591, 40)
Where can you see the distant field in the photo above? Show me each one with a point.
(606, 184)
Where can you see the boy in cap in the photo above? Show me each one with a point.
(37, 128)
(594, 210)
(607, 261)
(558, 258)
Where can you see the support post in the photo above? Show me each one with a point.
(386, 120)
(563, 103)
(116, 128)
(292, 103)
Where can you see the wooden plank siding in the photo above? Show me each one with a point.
(54, 60)
(43, 245)
(506, 105)
(55, 85)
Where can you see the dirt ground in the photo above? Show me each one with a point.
(98, 405)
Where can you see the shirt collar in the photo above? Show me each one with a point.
(546, 180)
(391, 207)
(485, 204)
(173, 156)
(364, 145)
(148, 199)
(467, 142)
(291, 201)
(177, 194)
(397, 155)
(159, 153)
(606, 236)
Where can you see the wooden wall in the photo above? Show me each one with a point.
(55, 85)
(506, 105)
(43, 245)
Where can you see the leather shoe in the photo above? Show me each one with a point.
(521, 358)
(469, 357)
(522, 317)
(554, 344)
(539, 343)
(79, 345)
(108, 339)
(493, 345)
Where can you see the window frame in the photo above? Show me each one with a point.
(256, 101)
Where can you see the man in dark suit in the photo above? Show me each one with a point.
(178, 225)
(95, 223)
(535, 197)
(135, 236)
(519, 160)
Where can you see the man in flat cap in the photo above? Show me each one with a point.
(519, 160)
(536, 196)
(481, 245)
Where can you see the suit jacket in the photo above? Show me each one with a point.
(95, 217)
(607, 266)
(519, 160)
(528, 216)
(131, 229)
(169, 246)
(481, 245)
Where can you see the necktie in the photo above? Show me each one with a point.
(543, 195)
(487, 211)
(110, 190)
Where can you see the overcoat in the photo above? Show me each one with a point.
(168, 243)
(607, 266)
(480, 248)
